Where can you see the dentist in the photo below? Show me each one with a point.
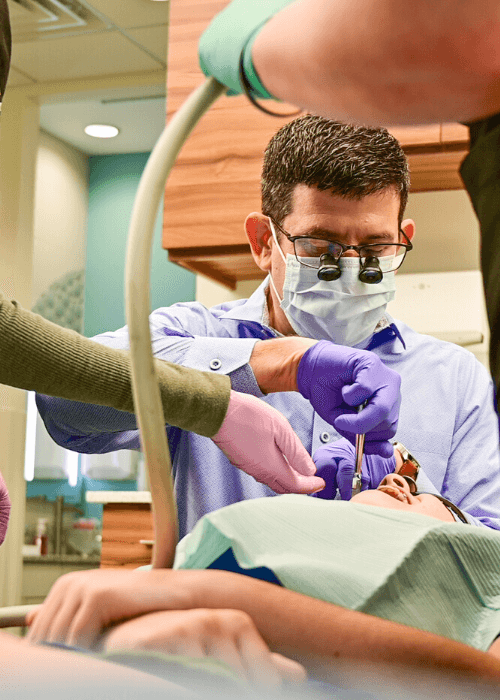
(314, 347)
(39, 355)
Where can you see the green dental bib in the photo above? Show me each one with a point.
(405, 567)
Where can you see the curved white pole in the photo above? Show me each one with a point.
(15, 615)
(146, 393)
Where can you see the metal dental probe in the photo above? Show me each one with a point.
(360, 446)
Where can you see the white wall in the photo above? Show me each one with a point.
(210, 293)
(61, 210)
(447, 232)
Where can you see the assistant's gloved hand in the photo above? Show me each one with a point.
(260, 441)
(334, 378)
(232, 30)
(335, 463)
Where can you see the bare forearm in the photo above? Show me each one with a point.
(275, 363)
(382, 62)
(321, 636)
(52, 671)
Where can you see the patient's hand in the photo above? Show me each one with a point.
(82, 604)
(227, 635)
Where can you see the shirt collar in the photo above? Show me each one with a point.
(255, 309)
(252, 309)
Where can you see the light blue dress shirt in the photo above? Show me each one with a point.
(447, 419)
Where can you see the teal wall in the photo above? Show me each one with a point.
(113, 184)
(75, 495)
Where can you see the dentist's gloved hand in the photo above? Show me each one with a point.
(230, 32)
(335, 463)
(260, 441)
(334, 378)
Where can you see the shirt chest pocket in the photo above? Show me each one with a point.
(431, 448)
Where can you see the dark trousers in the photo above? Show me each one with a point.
(480, 172)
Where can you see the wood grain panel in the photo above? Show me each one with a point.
(436, 171)
(226, 265)
(457, 134)
(417, 136)
(215, 183)
(123, 525)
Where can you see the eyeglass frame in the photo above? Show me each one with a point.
(407, 246)
(454, 510)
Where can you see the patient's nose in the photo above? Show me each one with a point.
(395, 480)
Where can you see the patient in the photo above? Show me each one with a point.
(346, 566)
(395, 492)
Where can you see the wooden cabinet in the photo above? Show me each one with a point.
(215, 183)
(125, 529)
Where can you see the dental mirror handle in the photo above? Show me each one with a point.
(360, 446)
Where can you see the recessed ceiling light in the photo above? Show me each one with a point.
(101, 131)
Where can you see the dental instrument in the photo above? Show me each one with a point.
(360, 446)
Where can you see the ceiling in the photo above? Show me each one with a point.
(72, 40)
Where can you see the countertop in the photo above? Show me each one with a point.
(118, 496)
(62, 559)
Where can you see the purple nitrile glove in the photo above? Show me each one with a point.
(335, 464)
(336, 378)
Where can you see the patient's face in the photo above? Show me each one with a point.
(394, 492)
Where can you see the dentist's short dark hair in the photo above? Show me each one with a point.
(350, 161)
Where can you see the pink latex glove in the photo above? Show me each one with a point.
(5, 508)
(260, 441)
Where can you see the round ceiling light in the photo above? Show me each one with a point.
(101, 131)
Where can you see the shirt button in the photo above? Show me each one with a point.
(215, 364)
(325, 437)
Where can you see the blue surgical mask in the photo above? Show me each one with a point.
(345, 311)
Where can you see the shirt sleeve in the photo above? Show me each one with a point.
(38, 355)
(186, 335)
(472, 479)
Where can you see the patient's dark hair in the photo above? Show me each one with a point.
(351, 161)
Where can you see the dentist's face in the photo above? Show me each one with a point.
(320, 214)
(394, 492)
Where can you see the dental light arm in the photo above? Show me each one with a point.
(137, 282)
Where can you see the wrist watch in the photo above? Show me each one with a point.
(410, 468)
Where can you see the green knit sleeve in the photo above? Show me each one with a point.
(38, 355)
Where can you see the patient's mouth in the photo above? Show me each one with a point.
(394, 492)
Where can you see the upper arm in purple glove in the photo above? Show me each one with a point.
(335, 464)
(336, 379)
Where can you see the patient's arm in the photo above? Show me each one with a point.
(317, 634)
(321, 635)
(28, 670)
(226, 635)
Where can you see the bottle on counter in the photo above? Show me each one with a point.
(42, 540)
